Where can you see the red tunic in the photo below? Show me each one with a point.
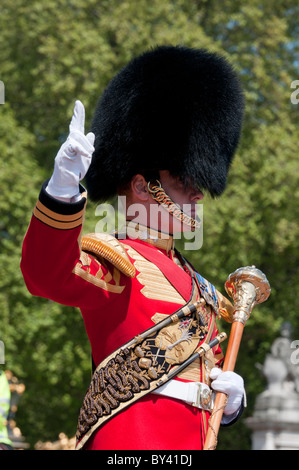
(116, 307)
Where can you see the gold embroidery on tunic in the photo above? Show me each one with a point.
(97, 281)
(156, 286)
(191, 372)
(85, 259)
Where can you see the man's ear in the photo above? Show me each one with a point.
(139, 187)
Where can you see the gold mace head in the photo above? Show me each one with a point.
(247, 286)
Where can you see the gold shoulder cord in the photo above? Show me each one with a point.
(110, 249)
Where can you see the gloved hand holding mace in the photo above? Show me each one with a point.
(247, 286)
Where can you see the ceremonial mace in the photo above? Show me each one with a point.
(247, 286)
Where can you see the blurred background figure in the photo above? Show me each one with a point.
(5, 395)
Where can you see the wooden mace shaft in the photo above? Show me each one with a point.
(247, 286)
(221, 398)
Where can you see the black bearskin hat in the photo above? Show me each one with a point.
(172, 108)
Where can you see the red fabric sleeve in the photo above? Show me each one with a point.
(51, 250)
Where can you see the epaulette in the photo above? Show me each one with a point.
(221, 305)
(107, 247)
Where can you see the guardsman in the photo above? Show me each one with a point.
(164, 132)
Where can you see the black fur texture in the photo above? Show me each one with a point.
(172, 108)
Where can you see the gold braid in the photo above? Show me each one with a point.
(159, 195)
(210, 424)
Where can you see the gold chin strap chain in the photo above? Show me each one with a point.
(159, 195)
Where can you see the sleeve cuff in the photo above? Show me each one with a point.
(59, 214)
(231, 419)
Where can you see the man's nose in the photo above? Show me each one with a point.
(196, 195)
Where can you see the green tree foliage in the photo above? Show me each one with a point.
(57, 51)
(36, 333)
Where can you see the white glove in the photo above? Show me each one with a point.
(73, 158)
(232, 385)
